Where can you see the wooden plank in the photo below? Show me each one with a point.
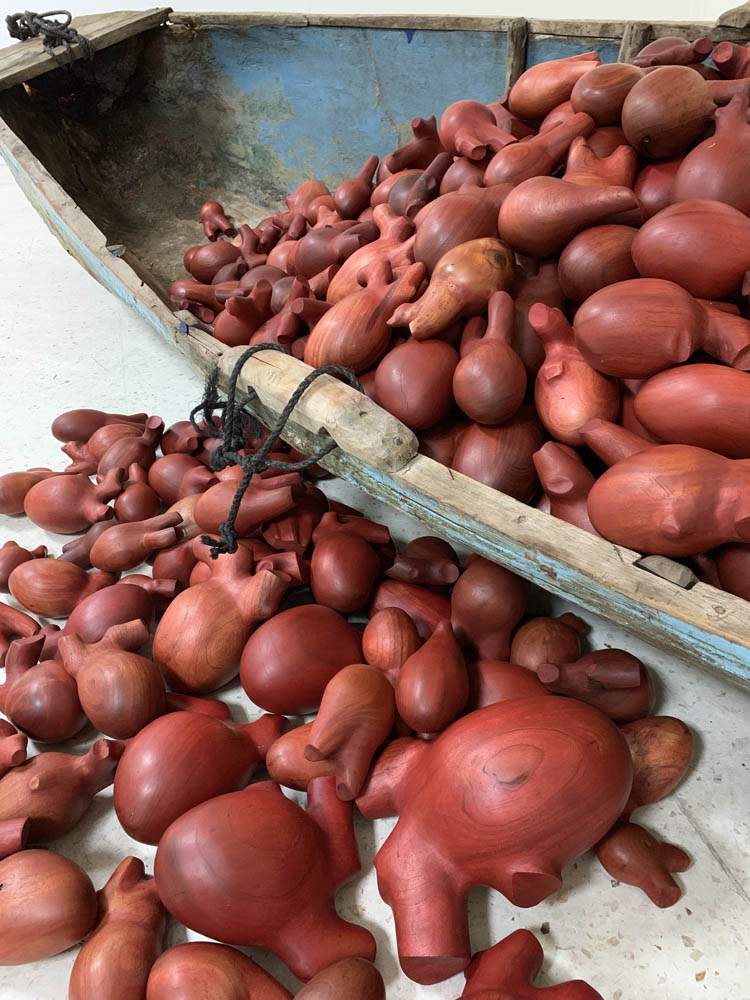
(577, 29)
(219, 19)
(634, 38)
(403, 22)
(702, 624)
(515, 59)
(410, 22)
(420, 22)
(733, 29)
(23, 61)
(143, 273)
(328, 406)
(737, 17)
(615, 29)
(668, 569)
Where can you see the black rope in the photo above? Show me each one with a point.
(233, 416)
(29, 24)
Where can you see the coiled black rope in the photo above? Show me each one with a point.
(233, 418)
(29, 24)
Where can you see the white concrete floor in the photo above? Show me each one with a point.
(66, 342)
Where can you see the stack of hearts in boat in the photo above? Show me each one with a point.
(428, 697)
(564, 265)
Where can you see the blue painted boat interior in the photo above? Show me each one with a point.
(327, 98)
(330, 97)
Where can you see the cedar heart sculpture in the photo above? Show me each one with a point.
(483, 822)
(251, 867)
(506, 972)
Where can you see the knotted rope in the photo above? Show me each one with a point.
(29, 24)
(233, 417)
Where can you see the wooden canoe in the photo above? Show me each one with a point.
(118, 154)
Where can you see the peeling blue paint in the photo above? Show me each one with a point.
(410, 32)
(331, 97)
(555, 47)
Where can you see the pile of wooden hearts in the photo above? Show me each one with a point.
(565, 263)
(445, 709)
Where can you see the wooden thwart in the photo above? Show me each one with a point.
(26, 60)
(329, 406)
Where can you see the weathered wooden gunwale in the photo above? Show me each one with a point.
(633, 35)
(27, 60)
(437, 22)
(702, 624)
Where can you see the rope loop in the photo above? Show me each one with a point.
(29, 24)
(234, 421)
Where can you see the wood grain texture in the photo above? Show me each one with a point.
(41, 699)
(25, 60)
(635, 36)
(633, 856)
(181, 760)
(117, 958)
(54, 790)
(515, 59)
(510, 967)
(199, 640)
(737, 17)
(672, 500)
(351, 419)
(52, 588)
(670, 570)
(48, 904)
(661, 748)
(288, 862)
(290, 659)
(120, 691)
(356, 714)
(727, 27)
(469, 816)
(201, 969)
